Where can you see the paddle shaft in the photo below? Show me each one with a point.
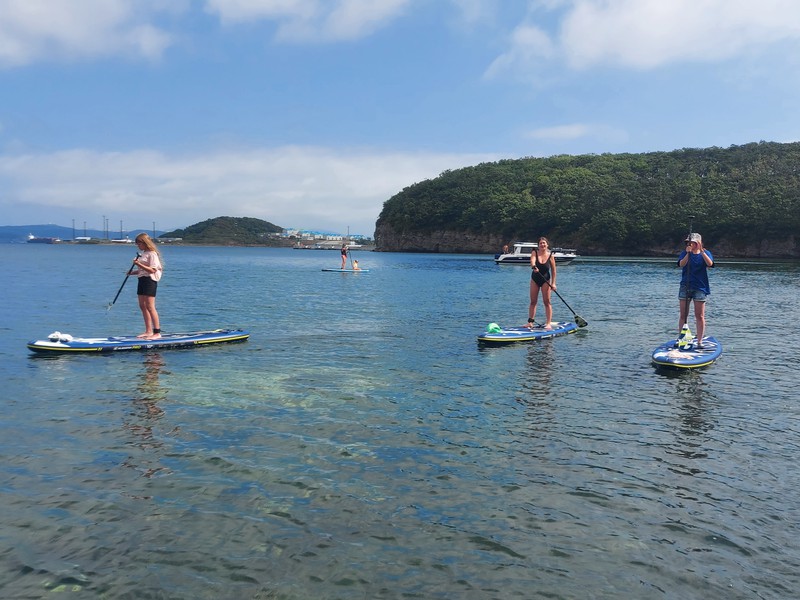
(688, 273)
(124, 281)
(580, 321)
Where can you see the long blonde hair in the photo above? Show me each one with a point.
(149, 244)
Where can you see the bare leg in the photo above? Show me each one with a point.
(151, 320)
(548, 307)
(532, 305)
(148, 321)
(684, 313)
(700, 319)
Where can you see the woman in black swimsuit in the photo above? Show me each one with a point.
(344, 255)
(543, 277)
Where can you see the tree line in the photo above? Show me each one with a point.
(229, 231)
(616, 202)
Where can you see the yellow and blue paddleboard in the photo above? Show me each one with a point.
(346, 270)
(62, 343)
(690, 357)
(497, 335)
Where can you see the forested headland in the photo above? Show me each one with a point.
(744, 200)
(230, 231)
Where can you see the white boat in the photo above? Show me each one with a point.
(522, 255)
(32, 239)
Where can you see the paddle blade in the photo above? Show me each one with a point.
(580, 321)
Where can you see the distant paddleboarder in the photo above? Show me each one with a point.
(344, 255)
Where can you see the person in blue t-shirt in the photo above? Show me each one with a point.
(694, 261)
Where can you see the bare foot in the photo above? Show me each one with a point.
(145, 336)
(548, 326)
(155, 336)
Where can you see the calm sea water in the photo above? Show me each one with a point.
(362, 444)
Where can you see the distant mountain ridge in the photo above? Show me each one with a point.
(226, 231)
(11, 234)
(220, 231)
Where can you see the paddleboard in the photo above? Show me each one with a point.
(667, 355)
(524, 334)
(62, 342)
(346, 270)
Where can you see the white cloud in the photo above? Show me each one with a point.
(650, 33)
(70, 30)
(577, 131)
(351, 19)
(32, 30)
(476, 12)
(528, 45)
(647, 34)
(560, 132)
(305, 20)
(242, 11)
(289, 186)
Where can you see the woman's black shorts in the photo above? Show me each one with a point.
(146, 287)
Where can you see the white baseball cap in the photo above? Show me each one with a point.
(694, 237)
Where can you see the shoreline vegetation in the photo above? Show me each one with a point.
(219, 231)
(744, 200)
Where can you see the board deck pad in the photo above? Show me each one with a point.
(525, 334)
(346, 270)
(58, 342)
(667, 355)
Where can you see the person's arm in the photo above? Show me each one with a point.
(707, 258)
(684, 257)
(144, 263)
(553, 271)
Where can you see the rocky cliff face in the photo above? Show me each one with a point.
(389, 240)
(786, 248)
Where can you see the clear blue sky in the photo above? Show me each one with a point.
(312, 113)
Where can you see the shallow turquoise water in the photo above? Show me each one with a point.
(362, 445)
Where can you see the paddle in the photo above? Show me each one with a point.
(124, 281)
(579, 321)
(684, 330)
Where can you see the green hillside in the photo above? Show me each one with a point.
(230, 231)
(615, 203)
